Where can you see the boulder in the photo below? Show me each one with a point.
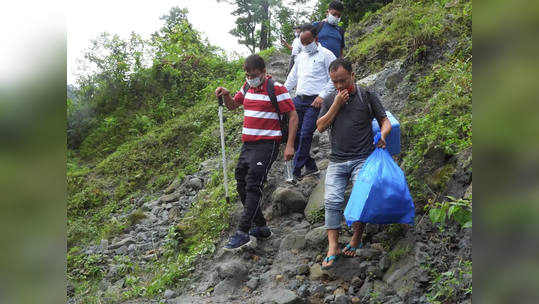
(346, 268)
(233, 270)
(282, 297)
(292, 199)
(316, 237)
(316, 199)
(125, 242)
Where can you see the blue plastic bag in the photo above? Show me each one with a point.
(380, 194)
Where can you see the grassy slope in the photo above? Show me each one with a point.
(147, 165)
(439, 112)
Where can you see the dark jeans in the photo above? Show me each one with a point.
(254, 163)
(307, 117)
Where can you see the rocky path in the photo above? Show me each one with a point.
(400, 264)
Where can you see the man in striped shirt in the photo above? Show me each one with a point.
(261, 137)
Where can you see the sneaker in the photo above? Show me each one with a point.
(263, 233)
(238, 240)
(309, 172)
(293, 181)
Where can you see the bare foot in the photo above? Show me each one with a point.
(353, 243)
(332, 251)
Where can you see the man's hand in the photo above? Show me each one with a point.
(289, 152)
(381, 143)
(341, 98)
(317, 103)
(220, 91)
(283, 41)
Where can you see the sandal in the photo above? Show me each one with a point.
(328, 259)
(350, 248)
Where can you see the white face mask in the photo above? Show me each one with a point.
(333, 20)
(255, 82)
(309, 49)
(296, 34)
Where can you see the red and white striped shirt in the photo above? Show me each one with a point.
(261, 121)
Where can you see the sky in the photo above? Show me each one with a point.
(88, 19)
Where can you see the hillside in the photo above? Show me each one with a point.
(146, 211)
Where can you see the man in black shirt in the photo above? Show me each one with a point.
(347, 113)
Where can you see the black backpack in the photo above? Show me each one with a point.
(283, 119)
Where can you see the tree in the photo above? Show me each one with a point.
(252, 14)
(287, 16)
(354, 10)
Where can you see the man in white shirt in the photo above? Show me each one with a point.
(294, 48)
(310, 76)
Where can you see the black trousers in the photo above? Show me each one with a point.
(251, 173)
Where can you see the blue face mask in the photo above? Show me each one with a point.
(255, 82)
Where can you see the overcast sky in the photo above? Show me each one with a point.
(88, 19)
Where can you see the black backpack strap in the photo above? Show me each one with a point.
(341, 31)
(246, 88)
(366, 100)
(319, 27)
(271, 92)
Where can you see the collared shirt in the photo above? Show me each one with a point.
(295, 46)
(351, 130)
(261, 121)
(311, 73)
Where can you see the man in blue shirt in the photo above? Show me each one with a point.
(330, 35)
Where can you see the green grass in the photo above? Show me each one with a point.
(406, 29)
(439, 114)
(147, 164)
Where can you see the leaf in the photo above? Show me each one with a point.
(467, 225)
(451, 198)
(450, 211)
(436, 215)
(462, 216)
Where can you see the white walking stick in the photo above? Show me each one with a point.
(220, 99)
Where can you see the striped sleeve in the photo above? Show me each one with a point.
(240, 96)
(283, 98)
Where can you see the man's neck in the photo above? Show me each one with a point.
(354, 90)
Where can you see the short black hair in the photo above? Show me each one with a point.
(336, 5)
(254, 62)
(309, 28)
(345, 63)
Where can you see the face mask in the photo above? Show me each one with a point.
(333, 20)
(296, 34)
(254, 82)
(309, 49)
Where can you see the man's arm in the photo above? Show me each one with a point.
(325, 121)
(328, 87)
(230, 103)
(292, 78)
(292, 130)
(385, 129)
(342, 50)
(286, 43)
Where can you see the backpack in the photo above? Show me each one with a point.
(321, 24)
(365, 98)
(393, 140)
(283, 119)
